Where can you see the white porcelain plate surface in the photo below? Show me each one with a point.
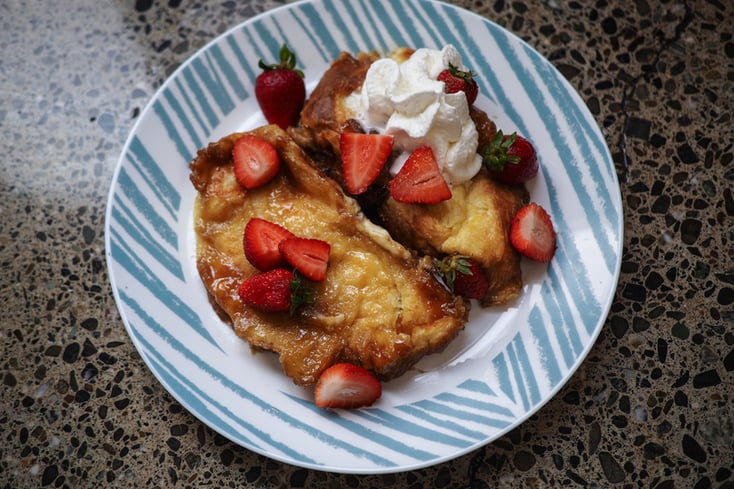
(505, 365)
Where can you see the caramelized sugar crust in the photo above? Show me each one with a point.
(379, 306)
(474, 222)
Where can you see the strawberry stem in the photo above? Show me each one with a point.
(448, 266)
(287, 61)
(300, 293)
(464, 75)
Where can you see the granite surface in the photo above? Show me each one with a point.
(651, 407)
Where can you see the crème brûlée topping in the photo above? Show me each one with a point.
(404, 98)
(379, 307)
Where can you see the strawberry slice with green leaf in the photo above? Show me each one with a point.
(420, 181)
(260, 242)
(532, 233)
(256, 161)
(363, 156)
(309, 256)
(277, 290)
(346, 386)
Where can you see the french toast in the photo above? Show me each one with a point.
(379, 307)
(475, 222)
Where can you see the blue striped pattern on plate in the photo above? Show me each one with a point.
(505, 365)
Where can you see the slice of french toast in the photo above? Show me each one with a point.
(475, 222)
(379, 307)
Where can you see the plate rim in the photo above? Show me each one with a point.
(579, 359)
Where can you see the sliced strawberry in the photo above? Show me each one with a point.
(308, 256)
(363, 156)
(268, 291)
(261, 240)
(256, 161)
(532, 233)
(463, 276)
(346, 386)
(419, 181)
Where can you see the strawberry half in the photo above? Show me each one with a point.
(256, 161)
(532, 233)
(346, 386)
(363, 156)
(309, 256)
(463, 276)
(419, 181)
(260, 242)
(280, 90)
(456, 80)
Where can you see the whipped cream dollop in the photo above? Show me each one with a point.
(407, 101)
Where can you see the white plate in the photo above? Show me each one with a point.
(504, 366)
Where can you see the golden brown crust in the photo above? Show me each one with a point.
(324, 114)
(379, 306)
(474, 222)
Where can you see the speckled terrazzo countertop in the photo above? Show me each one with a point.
(651, 407)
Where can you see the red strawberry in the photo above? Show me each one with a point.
(261, 240)
(346, 386)
(280, 90)
(532, 233)
(308, 256)
(419, 181)
(363, 156)
(276, 290)
(255, 160)
(511, 159)
(456, 80)
(268, 291)
(463, 276)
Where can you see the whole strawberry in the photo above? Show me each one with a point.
(456, 80)
(277, 290)
(463, 276)
(280, 90)
(511, 159)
